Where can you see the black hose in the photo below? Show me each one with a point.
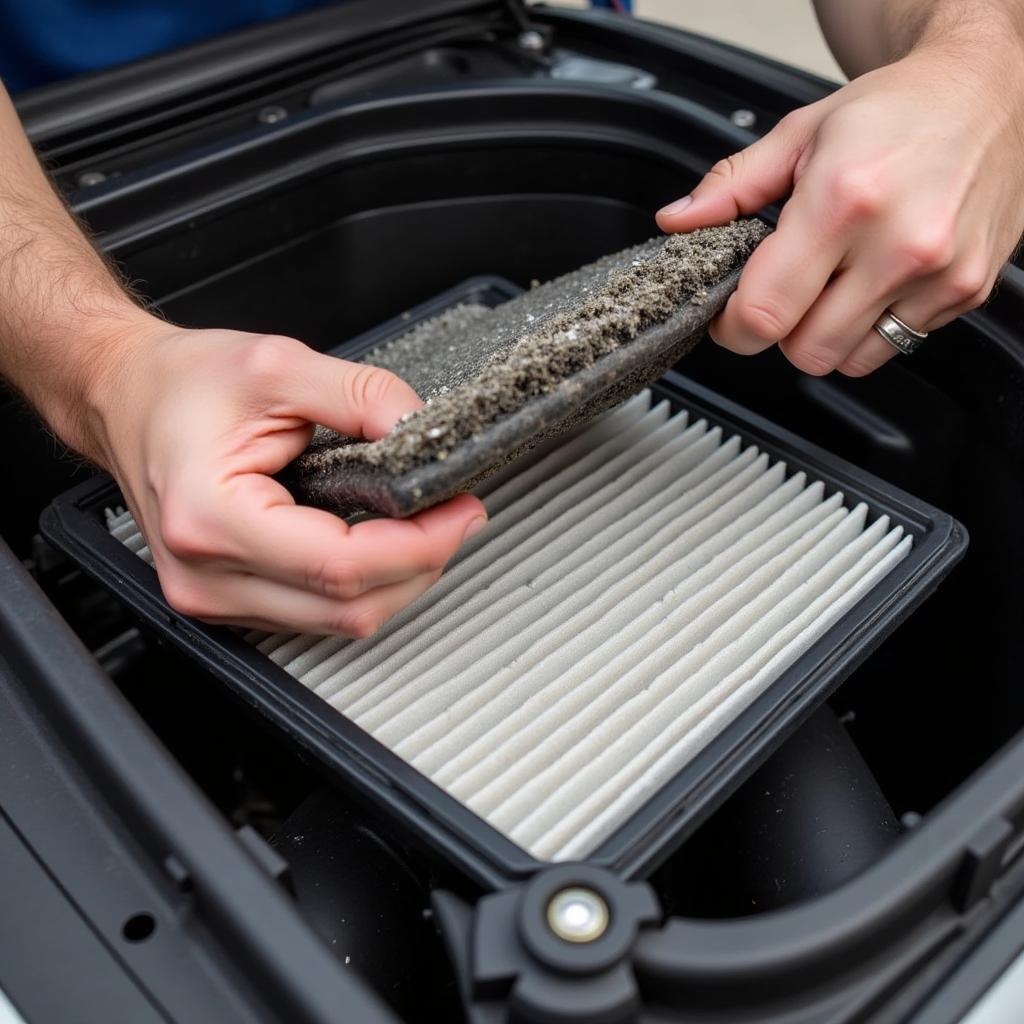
(811, 818)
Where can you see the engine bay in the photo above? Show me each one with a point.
(881, 836)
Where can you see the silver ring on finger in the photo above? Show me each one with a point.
(901, 336)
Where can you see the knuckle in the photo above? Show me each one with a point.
(340, 579)
(435, 560)
(185, 534)
(726, 169)
(968, 284)
(980, 297)
(927, 253)
(797, 121)
(185, 596)
(763, 320)
(857, 193)
(791, 121)
(362, 624)
(816, 362)
(369, 385)
(268, 358)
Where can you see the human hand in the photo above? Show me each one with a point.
(906, 194)
(193, 424)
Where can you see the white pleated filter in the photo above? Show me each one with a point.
(638, 585)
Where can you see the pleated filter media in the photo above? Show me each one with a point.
(639, 584)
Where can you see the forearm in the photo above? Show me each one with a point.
(63, 313)
(194, 426)
(871, 33)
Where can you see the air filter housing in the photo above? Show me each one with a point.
(657, 601)
(638, 587)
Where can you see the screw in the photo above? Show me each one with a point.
(272, 114)
(743, 118)
(89, 178)
(531, 40)
(578, 915)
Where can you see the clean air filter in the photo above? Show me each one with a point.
(637, 587)
(659, 599)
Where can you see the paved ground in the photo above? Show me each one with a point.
(784, 29)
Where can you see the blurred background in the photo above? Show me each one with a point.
(784, 29)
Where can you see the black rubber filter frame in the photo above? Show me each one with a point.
(75, 524)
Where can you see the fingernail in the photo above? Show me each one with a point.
(475, 526)
(677, 207)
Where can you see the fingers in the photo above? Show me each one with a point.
(782, 280)
(245, 600)
(816, 288)
(271, 536)
(873, 351)
(838, 331)
(744, 182)
(229, 542)
(252, 524)
(353, 398)
(887, 210)
(836, 323)
(933, 303)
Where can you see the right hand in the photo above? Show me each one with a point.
(904, 197)
(194, 423)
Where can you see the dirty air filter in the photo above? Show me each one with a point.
(497, 381)
(660, 596)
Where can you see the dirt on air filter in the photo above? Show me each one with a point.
(497, 381)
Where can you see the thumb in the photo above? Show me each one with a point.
(354, 399)
(739, 184)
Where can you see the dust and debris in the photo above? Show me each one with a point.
(474, 365)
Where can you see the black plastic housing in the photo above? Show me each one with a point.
(229, 222)
(126, 896)
(74, 523)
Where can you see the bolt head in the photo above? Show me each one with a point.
(578, 914)
(531, 40)
(89, 178)
(743, 118)
(272, 114)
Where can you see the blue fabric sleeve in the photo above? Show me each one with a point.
(46, 40)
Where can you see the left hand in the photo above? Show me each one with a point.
(194, 424)
(907, 193)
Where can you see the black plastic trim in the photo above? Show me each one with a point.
(781, 951)
(164, 83)
(258, 162)
(994, 954)
(61, 685)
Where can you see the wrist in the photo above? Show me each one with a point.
(94, 394)
(975, 72)
(981, 46)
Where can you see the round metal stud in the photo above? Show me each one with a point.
(272, 114)
(531, 40)
(578, 915)
(89, 178)
(743, 118)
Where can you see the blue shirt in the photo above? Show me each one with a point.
(46, 40)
